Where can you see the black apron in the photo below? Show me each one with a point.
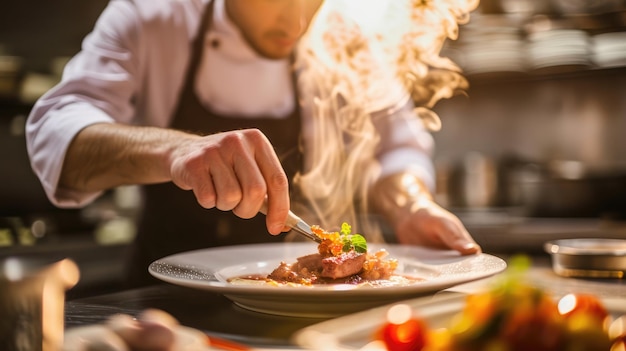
(171, 219)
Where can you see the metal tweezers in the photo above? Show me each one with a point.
(296, 223)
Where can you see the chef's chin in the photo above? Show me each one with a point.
(275, 49)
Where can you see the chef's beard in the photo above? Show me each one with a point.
(269, 47)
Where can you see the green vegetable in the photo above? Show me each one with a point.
(350, 241)
(346, 229)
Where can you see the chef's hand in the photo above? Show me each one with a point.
(426, 223)
(417, 219)
(234, 170)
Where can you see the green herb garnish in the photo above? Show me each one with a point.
(350, 241)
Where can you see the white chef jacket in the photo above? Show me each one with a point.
(131, 69)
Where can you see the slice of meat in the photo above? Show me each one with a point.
(308, 268)
(344, 265)
(304, 270)
(284, 273)
(312, 263)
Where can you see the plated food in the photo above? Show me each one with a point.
(342, 257)
(214, 269)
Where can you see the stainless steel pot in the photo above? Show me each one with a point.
(568, 190)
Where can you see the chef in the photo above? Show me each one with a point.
(199, 102)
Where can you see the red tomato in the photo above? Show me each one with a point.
(407, 336)
(574, 304)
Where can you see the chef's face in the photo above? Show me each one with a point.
(272, 27)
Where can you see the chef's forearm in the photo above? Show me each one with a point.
(103, 156)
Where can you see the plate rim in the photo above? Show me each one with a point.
(432, 285)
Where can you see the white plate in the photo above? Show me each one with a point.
(210, 269)
(356, 331)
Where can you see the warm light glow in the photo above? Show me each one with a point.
(618, 328)
(376, 345)
(343, 287)
(13, 269)
(567, 304)
(618, 347)
(367, 12)
(317, 340)
(399, 314)
(362, 59)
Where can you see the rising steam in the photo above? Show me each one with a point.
(358, 58)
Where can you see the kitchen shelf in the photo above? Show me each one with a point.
(556, 74)
(498, 47)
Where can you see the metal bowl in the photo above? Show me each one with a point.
(588, 258)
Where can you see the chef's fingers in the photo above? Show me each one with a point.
(206, 167)
(277, 184)
(251, 181)
(235, 171)
(277, 196)
(190, 169)
(454, 235)
(221, 169)
(430, 225)
(203, 189)
(246, 171)
(239, 175)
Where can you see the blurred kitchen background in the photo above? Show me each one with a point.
(536, 151)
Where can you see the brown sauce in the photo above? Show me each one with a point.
(394, 280)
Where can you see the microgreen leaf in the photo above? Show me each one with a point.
(350, 241)
(359, 243)
(347, 244)
(346, 229)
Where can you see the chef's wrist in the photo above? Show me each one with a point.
(397, 195)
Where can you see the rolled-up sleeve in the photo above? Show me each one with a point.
(406, 146)
(98, 85)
